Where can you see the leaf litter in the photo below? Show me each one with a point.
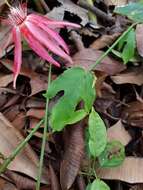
(119, 94)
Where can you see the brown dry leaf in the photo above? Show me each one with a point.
(2, 2)
(118, 132)
(38, 81)
(132, 76)
(19, 121)
(36, 113)
(104, 41)
(21, 182)
(87, 57)
(5, 37)
(54, 179)
(139, 39)
(6, 185)
(130, 171)
(58, 13)
(133, 114)
(74, 152)
(5, 79)
(26, 162)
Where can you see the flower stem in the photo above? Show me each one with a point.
(19, 148)
(110, 48)
(44, 135)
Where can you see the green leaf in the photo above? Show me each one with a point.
(88, 186)
(97, 134)
(77, 85)
(113, 155)
(133, 11)
(99, 185)
(129, 48)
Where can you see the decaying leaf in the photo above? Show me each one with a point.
(74, 151)
(115, 2)
(68, 6)
(87, 57)
(26, 162)
(133, 114)
(54, 179)
(118, 132)
(130, 171)
(6, 185)
(2, 2)
(104, 41)
(131, 76)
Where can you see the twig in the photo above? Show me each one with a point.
(44, 136)
(19, 148)
(96, 11)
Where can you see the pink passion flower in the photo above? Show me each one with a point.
(39, 33)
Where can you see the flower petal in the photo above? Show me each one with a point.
(37, 47)
(17, 53)
(56, 24)
(44, 38)
(53, 34)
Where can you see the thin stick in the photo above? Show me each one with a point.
(110, 48)
(44, 136)
(6, 2)
(19, 148)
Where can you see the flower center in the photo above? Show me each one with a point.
(17, 15)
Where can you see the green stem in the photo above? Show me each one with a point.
(44, 136)
(110, 48)
(19, 148)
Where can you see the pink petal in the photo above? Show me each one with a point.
(53, 34)
(37, 47)
(56, 24)
(43, 37)
(17, 53)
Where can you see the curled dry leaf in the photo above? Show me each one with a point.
(6, 185)
(118, 132)
(74, 152)
(139, 39)
(20, 181)
(53, 178)
(87, 57)
(104, 41)
(132, 76)
(130, 171)
(38, 81)
(133, 114)
(26, 162)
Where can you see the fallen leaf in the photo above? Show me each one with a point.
(131, 76)
(133, 114)
(74, 152)
(118, 132)
(26, 162)
(2, 2)
(130, 171)
(139, 40)
(7, 185)
(87, 57)
(54, 179)
(58, 13)
(104, 41)
(36, 113)
(5, 79)
(137, 187)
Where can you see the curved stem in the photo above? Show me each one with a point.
(44, 136)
